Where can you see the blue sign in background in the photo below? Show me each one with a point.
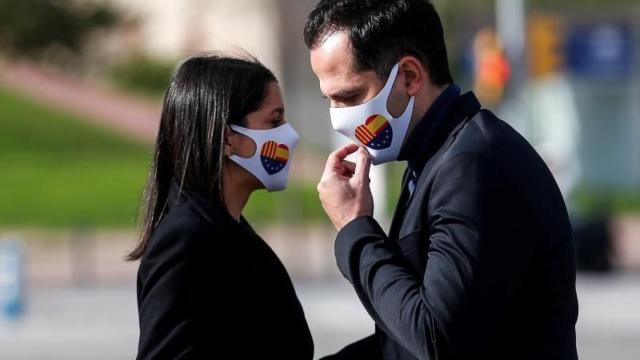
(11, 279)
(601, 50)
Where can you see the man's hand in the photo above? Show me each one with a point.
(344, 187)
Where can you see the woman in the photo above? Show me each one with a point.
(208, 285)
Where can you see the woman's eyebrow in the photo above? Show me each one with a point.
(279, 110)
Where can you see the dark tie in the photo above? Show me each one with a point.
(411, 185)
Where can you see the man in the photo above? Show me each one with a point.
(479, 261)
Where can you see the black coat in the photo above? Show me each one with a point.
(209, 287)
(479, 262)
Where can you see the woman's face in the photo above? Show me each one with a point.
(269, 115)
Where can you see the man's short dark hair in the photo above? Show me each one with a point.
(382, 31)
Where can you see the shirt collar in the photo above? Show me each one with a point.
(448, 110)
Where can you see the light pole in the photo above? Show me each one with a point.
(511, 26)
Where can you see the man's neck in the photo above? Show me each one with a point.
(423, 103)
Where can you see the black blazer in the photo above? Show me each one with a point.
(479, 262)
(209, 287)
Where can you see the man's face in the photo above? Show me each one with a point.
(343, 85)
(340, 81)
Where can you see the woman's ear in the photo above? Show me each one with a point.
(228, 147)
(414, 74)
(236, 143)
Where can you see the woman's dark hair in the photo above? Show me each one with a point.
(382, 31)
(205, 95)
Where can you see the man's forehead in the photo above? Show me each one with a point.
(332, 62)
(332, 55)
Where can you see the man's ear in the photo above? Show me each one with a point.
(414, 73)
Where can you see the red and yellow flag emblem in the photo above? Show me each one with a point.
(376, 132)
(274, 156)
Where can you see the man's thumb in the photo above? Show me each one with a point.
(363, 164)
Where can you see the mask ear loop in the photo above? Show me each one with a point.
(388, 85)
(407, 105)
(393, 74)
(234, 128)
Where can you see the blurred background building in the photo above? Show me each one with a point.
(81, 85)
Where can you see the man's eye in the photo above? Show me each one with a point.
(350, 100)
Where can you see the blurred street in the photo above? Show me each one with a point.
(56, 324)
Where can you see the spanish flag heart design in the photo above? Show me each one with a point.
(274, 157)
(376, 133)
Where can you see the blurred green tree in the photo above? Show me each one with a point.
(143, 74)
(29, 28)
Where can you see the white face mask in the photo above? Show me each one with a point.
(370, 124)
(271, 162)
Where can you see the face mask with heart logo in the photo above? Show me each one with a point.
(370, 124)
(270, 163)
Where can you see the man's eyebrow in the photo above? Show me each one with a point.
(343, 93)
